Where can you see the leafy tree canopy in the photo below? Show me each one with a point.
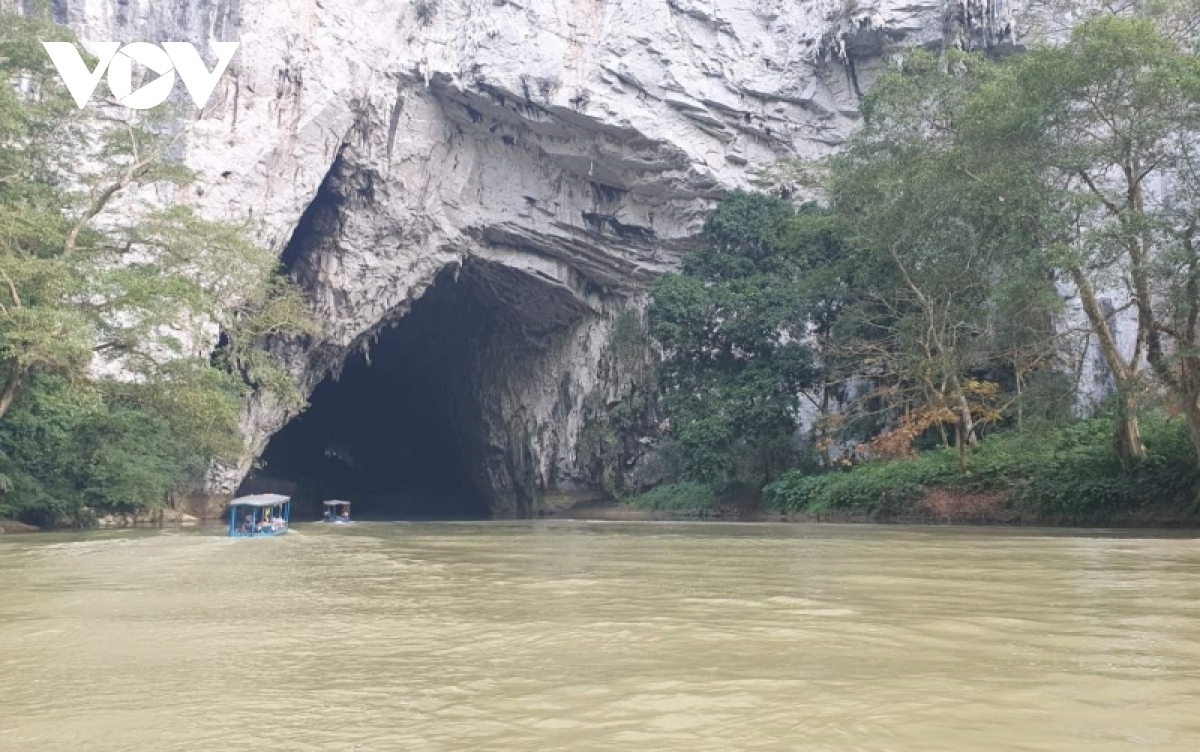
(735, 326)
(109, 309)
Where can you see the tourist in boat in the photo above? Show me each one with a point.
(262, 514)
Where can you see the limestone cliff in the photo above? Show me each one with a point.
(558, 152)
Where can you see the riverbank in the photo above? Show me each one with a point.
(1065, 476)
(12, 526)
(157, 518)
(940, 509)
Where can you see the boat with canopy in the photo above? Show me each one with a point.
(337, 511)
(259, 515)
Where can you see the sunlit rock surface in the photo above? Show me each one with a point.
(561, 151)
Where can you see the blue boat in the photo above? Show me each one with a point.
(259, 516)
(337, 511)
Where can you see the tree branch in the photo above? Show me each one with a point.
(98, 205)
(12, 289)
(1113, 208)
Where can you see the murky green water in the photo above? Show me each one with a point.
(508, 636)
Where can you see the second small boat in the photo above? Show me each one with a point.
(337, 511)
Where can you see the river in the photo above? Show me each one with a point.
(600, 636)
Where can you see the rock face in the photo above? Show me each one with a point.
(556, 153)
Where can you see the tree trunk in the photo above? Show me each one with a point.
(9, 394)
(1129, 436)
(967, 421)
(1191, 408)
(1020, 400)
(823, 428)
(1193, 419)
(960, 440)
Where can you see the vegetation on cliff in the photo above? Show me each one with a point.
(924, 307)
(109, 396)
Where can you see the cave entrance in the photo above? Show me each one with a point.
(390, 433)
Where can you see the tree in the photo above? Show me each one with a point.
(735, 329)
(110, 308)
(1110, 123)
(942, 251)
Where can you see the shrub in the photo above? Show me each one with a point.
(877, 489)
(68, 453)
(1068, 474)
(685, 499)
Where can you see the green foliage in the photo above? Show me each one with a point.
(686, 499)
(108, 396)
(629, 340)
(1098, 136)
(1069, 474)
(951, 287)
(733, 326)
(72, 452)
(927, 295)
(884, 488)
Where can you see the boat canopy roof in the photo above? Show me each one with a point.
(335, 502)
(260, 500)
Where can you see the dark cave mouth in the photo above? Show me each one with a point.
(392, 433)
(423, 424)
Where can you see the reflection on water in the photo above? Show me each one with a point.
(511, 636)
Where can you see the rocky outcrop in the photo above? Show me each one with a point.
(12, 526)
(159, 518)
(559, 152)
